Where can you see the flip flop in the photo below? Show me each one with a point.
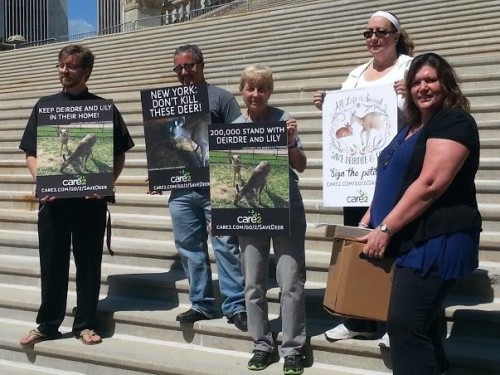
(33, 337)
(92, 334)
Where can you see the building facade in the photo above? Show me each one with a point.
(147, 10)
(109, 16)
(35, 20)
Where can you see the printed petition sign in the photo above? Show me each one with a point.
(249, 178)
(357, 125)
(176, 123)
(75, 149)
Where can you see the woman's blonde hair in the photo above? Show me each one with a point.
(257, 75)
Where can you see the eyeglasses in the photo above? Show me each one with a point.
(379, 33)
(70, 66)
(187, 67)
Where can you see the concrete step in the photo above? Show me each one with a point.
(489, 167)
(16, 368)
(487, 189)
(132, 355)
(310, 127)
(313, 148)
(293, 40)
(480, 87)
(414, 15)
(165, 279)
(482, 100)
(19, 187)
(138, 226)
(160, 254)
(146, 264)
(147, 216)
(155, 320)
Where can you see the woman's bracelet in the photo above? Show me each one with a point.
(362, 225)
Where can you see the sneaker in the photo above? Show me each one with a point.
(259, 361)
(384, 341)
(341, 332)
(293, 365)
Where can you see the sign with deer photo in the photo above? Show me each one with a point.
(249, 178)
(357, 125)
(176, 123)
(75, 149)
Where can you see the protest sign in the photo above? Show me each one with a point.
(357, 125)
(249, 178)
(75, 149)
(176, 123)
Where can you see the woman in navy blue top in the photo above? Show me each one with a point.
(425, 213)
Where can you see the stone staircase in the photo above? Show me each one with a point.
(309, 46)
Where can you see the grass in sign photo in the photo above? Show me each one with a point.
(74, 150)
(260, 180)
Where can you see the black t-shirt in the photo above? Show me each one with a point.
(122, 141)
(456, 210)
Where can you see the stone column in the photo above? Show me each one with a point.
(138, 9)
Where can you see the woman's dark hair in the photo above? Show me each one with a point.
(404, 45)
(454, 98)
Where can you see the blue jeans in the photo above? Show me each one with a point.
(190, 211)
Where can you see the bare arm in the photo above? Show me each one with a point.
(31, 163)
(443, 159)
(365, 220)
(296, 156)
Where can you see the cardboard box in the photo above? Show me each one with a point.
(357, 286)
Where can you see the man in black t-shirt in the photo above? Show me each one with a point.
(64, 222)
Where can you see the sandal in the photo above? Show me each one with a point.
(92, 339)
(33, 337)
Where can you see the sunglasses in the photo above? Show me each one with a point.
(187, 67)
(379, 33)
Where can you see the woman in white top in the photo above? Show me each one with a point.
(391, 50)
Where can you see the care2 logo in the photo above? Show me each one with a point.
(77, 181)
(361, 197)
(183, 177)
(254, 218)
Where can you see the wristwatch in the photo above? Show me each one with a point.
(385, 229)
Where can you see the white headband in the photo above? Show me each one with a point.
(389, 17)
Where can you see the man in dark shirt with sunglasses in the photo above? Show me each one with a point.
(191, 216)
